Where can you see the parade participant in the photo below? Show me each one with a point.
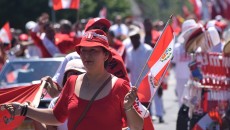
(114, 101)
(119, 28)
(115, 66)
(73, 67)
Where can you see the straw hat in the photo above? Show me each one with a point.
(226, 49)
(189, 27)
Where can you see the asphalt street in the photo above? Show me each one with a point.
(171, 106)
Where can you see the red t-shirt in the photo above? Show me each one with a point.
(65, 43)
(104, 114)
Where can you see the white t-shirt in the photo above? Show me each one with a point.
(181, 59)
(118, 30)
(136, 60)
(64, 125)
(58, 77)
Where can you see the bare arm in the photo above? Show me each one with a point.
(41, 115)
(134, 119)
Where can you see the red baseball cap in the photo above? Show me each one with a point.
(92, 38)
(95, 21)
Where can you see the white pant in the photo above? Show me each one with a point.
(180, 89)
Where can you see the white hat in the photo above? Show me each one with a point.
(214, 35)
(30, 25)
(211, 23)
(204, 41)
(75, 64)
(133, 30)
(188, 28)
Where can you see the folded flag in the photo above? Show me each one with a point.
(20, 94)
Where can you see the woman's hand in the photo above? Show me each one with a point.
(13, 108)
(130, 98)
(51, 87)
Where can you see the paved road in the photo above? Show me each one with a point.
(170, 105)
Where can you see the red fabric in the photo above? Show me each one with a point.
(119, 47)
(65, 43)
(116, 66)
(155, 35)
(58, 4)
(148, 124)
(105, 113)
(18, 94)
(197, 8)
(5, 33)
(38, 42)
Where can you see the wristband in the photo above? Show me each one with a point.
(24, 110)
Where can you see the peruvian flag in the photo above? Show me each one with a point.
(66, 4)
(5, 34)
(20, 94)
(158, 64)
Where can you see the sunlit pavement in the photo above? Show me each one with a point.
(170, 107)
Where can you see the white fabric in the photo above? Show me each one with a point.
(119, 30)
(58, 77)
(49, 45)
(136, 60)
(181, 59)
(64, 125)
(33, 51)
(182, 71)
(4, 37)
(66, 3)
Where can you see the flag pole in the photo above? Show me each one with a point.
(169, 20)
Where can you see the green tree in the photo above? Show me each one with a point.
(161, 9)
(18, 12)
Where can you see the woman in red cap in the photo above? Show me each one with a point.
(115, 100)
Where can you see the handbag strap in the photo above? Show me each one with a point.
(91, 101)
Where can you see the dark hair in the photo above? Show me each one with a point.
(107, 53)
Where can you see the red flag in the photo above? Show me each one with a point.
(103, 12)
(66, 4)
(20, 94)
(158, 64)
(5, 34)
(197, 8)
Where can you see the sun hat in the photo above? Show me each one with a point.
(226, 49)
(75, 64)
(193, 38)
(97, 20)
(92, 38)
(206, 40)
(30, 25)
(133, 30)
(188, 28)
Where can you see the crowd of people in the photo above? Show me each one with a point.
(108, 56)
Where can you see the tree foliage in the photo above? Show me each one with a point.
(18, 12)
